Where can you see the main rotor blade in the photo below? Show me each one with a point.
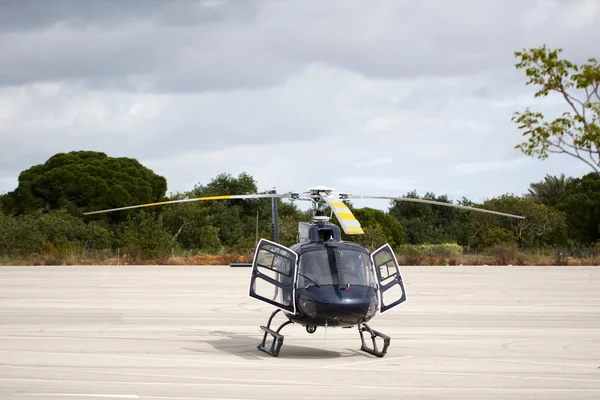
(437, 203)
(225, 197)
(347, 220)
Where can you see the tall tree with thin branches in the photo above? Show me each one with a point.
(577, 131)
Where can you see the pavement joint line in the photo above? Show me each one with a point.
(257, 363)
(110, 396)
(171, 318)
(230, 382)
(303, 384)
(158, 375)
(138, 396)
(553, 363)
(484, 374)
(366, 362)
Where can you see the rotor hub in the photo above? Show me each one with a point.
(320, 190)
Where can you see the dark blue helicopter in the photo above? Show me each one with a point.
(323, 280)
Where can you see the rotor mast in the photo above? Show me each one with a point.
(275, 218)
(319, 204)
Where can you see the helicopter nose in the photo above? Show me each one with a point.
(339, 305)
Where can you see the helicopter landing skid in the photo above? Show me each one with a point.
(273, 350)
(374, 334)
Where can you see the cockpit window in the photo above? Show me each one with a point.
(335, 267)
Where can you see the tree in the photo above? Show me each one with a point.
(235, 219)
(143, 237)
(379, 227)
(541, 226)
(550, 190)
(425, 223)
(575, 133)
(581, 205)
(20, 235)
(57, 230)
(190, 225)
(373, 219)
(64, 230)
(84, 180)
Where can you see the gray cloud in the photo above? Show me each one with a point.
(134, 45)
(193, 46)
(38, 16)
(381, 97)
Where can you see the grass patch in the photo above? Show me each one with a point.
(425, 255)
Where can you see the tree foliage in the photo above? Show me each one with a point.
(551, 190)
(20, 236)
(389, 227)
(143, 237)
(542, 225)
(190, 226)
(234, 219)
(84, 180)
(581, 205)
(425, 223)
(559, 211)
(37, 232)
(379, 227)
(577, 131)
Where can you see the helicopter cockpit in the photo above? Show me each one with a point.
(335, 266)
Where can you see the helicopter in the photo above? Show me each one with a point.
(323, 281)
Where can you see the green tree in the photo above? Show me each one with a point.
(542, 226)
(84, 180)
(235, 219)
(373, 238)
(288, 230)
(425, 223)
(19, 235)
(143, 237)
(380, 227)
(190, 225)
(581, 204)
(577, 131)
(57, 229)
(61, 228)
(551, 190)
(96, 236)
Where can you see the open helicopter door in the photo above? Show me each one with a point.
(391, 286)
(273, 274)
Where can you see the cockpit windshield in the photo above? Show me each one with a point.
(333, 266)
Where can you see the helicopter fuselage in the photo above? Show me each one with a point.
(335, 284)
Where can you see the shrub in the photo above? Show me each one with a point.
(413, 255)
(505, 253)
(561, 257)
(416, 254)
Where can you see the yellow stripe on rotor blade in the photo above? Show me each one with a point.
(355, 231)
(339, 205)
(348, 216)
(216, 197)
(160, 203)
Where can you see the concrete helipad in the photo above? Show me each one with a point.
(191, 333)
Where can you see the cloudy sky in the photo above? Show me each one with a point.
(371, 97)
